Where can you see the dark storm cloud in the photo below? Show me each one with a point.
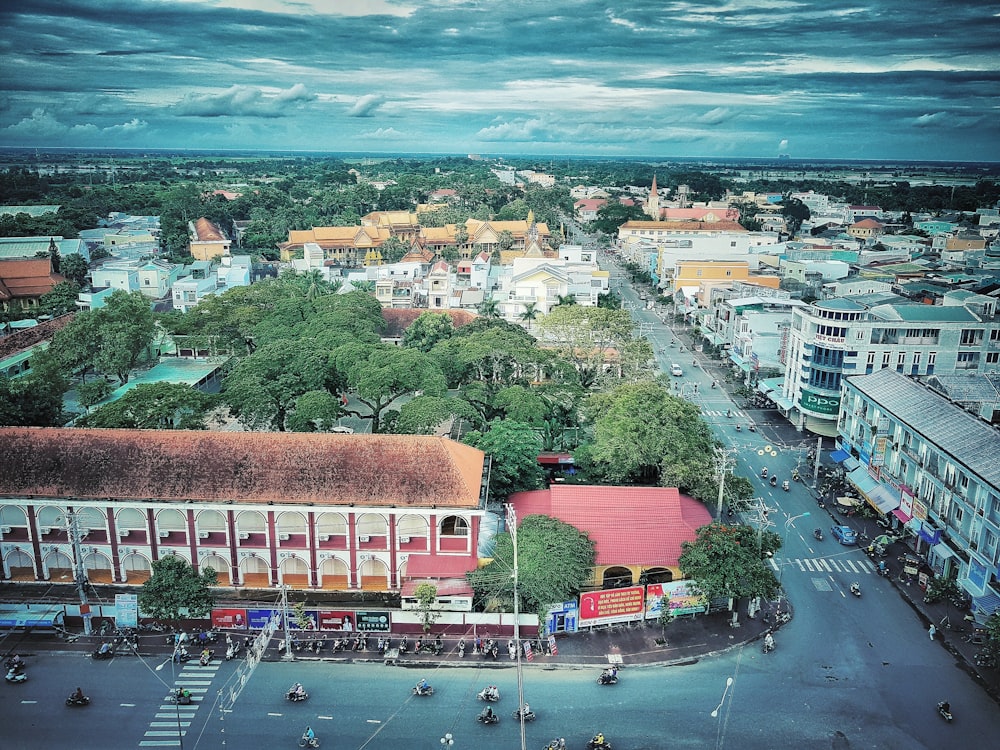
(733, 77)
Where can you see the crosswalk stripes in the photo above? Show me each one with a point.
(722, 413)
(171, 721)
(830, 565)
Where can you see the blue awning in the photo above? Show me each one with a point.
(874, 492)
(781, 402)
(988, 604)
(838, 456)
(26, 618)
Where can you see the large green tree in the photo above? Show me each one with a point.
(729, 562)
(154, 406)
(513, 448)
(427, 330)
(641, 434)
(378, 374)
(555, 561)
(175, 590)
(125, 329)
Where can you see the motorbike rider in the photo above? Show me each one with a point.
(763, 473)
(855, 588)
(422, 686)
(525, 709)
(77, 696)
(769, 642)
(487, 713)
(945, 707)
(309, 734)
(598, 740)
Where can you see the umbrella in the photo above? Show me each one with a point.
(848, 502)
(884, 540)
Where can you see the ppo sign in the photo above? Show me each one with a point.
(819, 403)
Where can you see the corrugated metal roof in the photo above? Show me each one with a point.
(969, 440)
(936, 313)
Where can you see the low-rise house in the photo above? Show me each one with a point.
(23, 282)
(207, 241)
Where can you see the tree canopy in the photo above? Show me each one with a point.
(175, 590)
(555, 561)
(514, 448)
(154, 406)
(728, 561)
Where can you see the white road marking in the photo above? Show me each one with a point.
(127, 705)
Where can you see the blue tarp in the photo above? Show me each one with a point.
(838, 456)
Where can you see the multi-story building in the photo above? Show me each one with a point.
(207, 241)
(834, 338)
(340, 512)
(936, 468)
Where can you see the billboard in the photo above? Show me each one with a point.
(612, 605)
(229, 618)
(819, 402)
(681, 599)
(373, 622)
(336, 620)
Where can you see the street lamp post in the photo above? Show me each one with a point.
(173, 689)
(788, 524)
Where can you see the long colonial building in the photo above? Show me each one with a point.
(311, 511)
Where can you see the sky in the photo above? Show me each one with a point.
(834, 79)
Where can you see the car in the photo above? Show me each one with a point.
(676, 371)
(844, 535)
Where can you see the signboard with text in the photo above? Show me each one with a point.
(819, 402)
(336, 620)
(372, 622)
(229, 618)
(126, 610)
(613, 605)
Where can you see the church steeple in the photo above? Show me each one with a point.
(653, 203)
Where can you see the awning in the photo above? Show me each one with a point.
(898, 513)
(943, 550)
(781, 402)
(838, 456)
(988, 603)
(851, 463)
(881, 498)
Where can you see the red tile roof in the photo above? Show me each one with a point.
(206, 231)
(26, 338)
(398, 320)
(629, 525)
(26, 278)
(244, 467)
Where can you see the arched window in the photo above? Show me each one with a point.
(454, 526)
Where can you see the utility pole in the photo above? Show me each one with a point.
(722, 455)
(79, 571)
(289, 656)
(512, 525)
(819, 450)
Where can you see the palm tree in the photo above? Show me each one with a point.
(530, 313)
(568, 299)
(489, 308)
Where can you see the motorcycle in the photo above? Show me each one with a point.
(774, 481)
(78, 700)
(944, 710)
(715, 384)
(557, 744)
(104, 652)
(489, 694)
(295, 696)
(13, 676)
(856, 589)
(739, 429)
(818, 534)
(232, 650)
(607, 678)
(180, 696)
(306, 741)
(206, 657)
(882, 570)
(785, 485)
(763, 473)
(598, 742)
(528, 716)
(423, 690)
(487, 717)
(752, 427)
(795, 476)
(768, 646)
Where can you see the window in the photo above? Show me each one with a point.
(885, 358)
(916, 358)
(992, 358)
(901, 359)
(871, 359)
(931, 359)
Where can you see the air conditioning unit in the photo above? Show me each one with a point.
(364, 539)
(123, 533)
(324, 537)
(203, 535)
(404, 540)
(164, 534)
(4, 529)
(244, 535)
(283, 537)
(45, 530)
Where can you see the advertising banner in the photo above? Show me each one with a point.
(819, 403)
(336, 620)
(878, 457)
(127, 610)
(229, 618)
(613, 605)
(680, 599)
(373, 622)
(258, 618)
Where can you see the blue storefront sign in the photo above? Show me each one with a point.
(257, 619)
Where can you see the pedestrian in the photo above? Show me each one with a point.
(932, 631)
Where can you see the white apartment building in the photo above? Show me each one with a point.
(543, 281)
(934, 467)
(834, 338)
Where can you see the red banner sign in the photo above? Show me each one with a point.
(229, 618)
(612, 604)
(331, 620)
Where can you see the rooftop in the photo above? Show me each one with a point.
(245, 467)
(966, 438)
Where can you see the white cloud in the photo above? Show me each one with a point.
(366, 105)
(382, 133)
(316, 7)
(42, 125)
(243, 101)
